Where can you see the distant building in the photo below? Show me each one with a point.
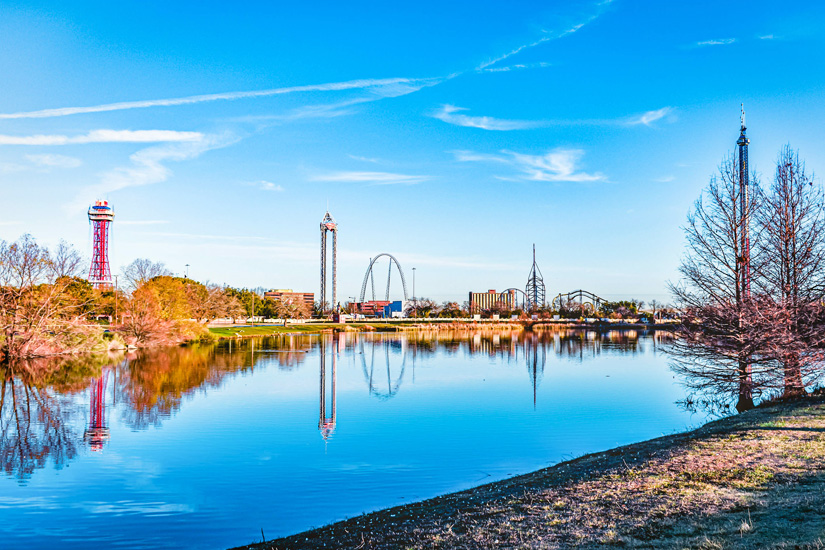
(288, 295)
(373, 308)
(394, 309)
(480, 301)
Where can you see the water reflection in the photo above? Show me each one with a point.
(36, 407)
(41, 402)
(326, 424)
(384, 378)
(98, 432)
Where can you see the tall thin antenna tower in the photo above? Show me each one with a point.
(100, 216)
(744, 205)
(328, 224)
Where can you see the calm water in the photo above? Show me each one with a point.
(203, 447)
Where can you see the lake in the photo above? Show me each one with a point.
(205, 446)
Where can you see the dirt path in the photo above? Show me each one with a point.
(756, 480)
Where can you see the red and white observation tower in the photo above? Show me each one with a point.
(100, 216)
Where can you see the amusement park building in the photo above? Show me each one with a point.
(287, 295)
(480, 301)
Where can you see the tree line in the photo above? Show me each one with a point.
(48, 308)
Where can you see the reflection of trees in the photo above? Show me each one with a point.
(34, 420)
(154, 381)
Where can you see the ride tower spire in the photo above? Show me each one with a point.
(329, 224)
(535, 290)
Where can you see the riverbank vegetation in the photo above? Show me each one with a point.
(756, 480)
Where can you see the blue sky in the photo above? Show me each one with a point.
(452, 137)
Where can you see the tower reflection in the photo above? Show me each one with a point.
(535, 353)
(98, 432)
(326, 424)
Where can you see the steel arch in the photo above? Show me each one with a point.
(525, 300)
(369, 272)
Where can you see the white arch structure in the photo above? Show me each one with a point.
(389, 277)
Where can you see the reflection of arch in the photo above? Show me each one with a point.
(369, 273)
(371, 376)
(510, 297)
(588, 300)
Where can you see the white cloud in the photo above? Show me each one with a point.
(665, 179)
(269, 186)
(365, 159)
(385, 85)
(557, 165)
(650, 116)
(517, 66)
(6, 167)
(103, 136)
(6, 223)
(716, 42)
(484, 67)
(449, 114)
(57, 161)
(767, 37)
(148, 166)
(374, 178)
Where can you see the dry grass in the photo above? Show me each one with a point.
(752, 481)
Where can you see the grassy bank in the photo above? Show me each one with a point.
(756, 480)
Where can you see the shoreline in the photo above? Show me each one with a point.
(222, 332)
(753, 480)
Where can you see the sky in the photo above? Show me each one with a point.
(453, 137)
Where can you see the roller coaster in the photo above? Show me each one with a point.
(586, 300)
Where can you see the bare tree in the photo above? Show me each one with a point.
(717, 342)
(792, 277)
(66, 261)
(142, 270)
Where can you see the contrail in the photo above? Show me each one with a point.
(228, 96)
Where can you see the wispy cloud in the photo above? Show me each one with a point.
(650, 116)
(56, 161)
(767, 37)
(365, 159)
(716, 42)
(306, 252)
(7, 223)
(517, 67)
(269, 186)
(103, 136)
(148, 166)
(6, 167)
(388, 84)
(548, 36)
(451, 115)
(665, 179)
(373, 178)
(558, 165)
